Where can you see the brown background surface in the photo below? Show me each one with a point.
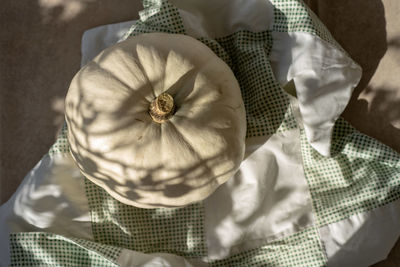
(40, 53)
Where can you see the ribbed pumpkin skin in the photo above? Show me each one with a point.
(140, 162)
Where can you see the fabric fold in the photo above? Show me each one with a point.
(324, 78)
(307, 208)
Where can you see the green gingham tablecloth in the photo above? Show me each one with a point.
(312, 190)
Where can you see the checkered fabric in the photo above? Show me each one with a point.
(157, 16)
(268, 111)
(178, 231)
(301, 249)
(266, 103)
(61, 144)
(46, 249)
(296, 16)
(361, 175)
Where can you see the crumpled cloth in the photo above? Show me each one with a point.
(311, 190)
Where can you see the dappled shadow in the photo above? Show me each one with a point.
(142, 163)
(377, 117)
(360, 27)
(363, 35)
(40, 53)
(367, 242)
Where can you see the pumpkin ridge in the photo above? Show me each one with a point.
(153, 55)
(128, 87)
(186, 145)
(137, 62)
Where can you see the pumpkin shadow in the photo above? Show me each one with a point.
(183, 180)
(127, 227)
(377, 117)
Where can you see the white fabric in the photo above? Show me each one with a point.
(362, 239)
(224, 17)
(324, 78)
(276, 198)
(96, 39)
(260, 204)
(323, 75)
(53, 193)
(137, 259)
(52, 199)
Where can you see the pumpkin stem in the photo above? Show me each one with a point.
(162, 108)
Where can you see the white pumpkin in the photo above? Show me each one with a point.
(156, 120)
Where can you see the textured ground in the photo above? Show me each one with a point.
(40, 52)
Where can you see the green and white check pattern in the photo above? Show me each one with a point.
(61, 144)
(362, 175)
(301, 249)
(46, 249)
(267, 105)
(178, 231)
(157, 16)
(296, 16)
